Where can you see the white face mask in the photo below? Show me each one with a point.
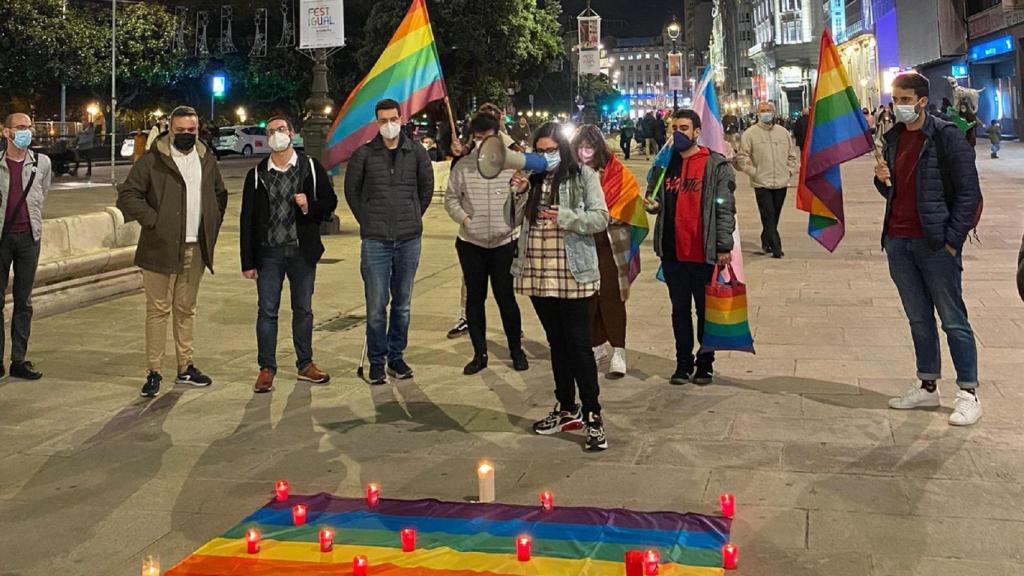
(906, 113)
(279, 142)
(766, 117)
(554, 160)
(390, 131)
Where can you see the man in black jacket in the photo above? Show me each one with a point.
(284, 200)
(388, 185)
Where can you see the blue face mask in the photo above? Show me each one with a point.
(554, 159)
(681, 142)
(766, 117)
(22, 138)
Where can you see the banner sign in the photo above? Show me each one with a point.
(321, 24)
(590, 62)
(675, 71)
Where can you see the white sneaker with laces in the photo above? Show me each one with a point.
(966, 409)
(915, 398)
(600, 353)
(617, 369)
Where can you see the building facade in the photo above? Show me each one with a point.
(638, 69)
(785, 52)
(994, 63)
(732, 35)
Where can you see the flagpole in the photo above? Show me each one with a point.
(451, 116)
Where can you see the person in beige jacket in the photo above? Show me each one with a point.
(767, 154)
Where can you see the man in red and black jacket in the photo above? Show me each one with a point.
(284, 200)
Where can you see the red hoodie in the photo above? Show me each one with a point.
(688, 187)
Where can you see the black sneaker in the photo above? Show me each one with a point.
(377, 376)
(152, 386)
(519, 361)
(682, 374)
(193, 377)
(478, 363)
(461, 327)
(704, 375)
(596, 440)
(559, 421)
(399, 369)
(24, 370)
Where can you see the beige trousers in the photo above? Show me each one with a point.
(172, 292)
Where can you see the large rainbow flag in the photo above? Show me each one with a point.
(626, 204)
(837, 132)
(409, 72)
(460, 539)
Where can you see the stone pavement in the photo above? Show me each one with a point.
(828, 480)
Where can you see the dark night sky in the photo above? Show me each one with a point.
(625, 18)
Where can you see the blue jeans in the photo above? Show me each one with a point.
(995, 147)
(389, 269)
(928, 281)
(275, 264)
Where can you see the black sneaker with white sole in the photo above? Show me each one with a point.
(399, 369)
(704, 375)
(559, 421)
(377, 375)
(596, 440)
(25, 371)
(461, 327)
(152, 386)
(193, 377)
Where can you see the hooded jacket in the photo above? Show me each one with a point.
(40, 163)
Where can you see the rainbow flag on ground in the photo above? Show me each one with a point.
(837, 132)
(626, 204)
(409, 72)
(460, 539)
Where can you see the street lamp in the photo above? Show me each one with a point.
(240, 112)
(673, 34)
(93, 110)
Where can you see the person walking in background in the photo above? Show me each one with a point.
(659, 131)
(627, 130)
(486, 247)
(870, 119)
(768, 156)
(649, 127)
(175, 191)
(696, 209)
(521, 132)
(389, 183)
(24, 183)
(558, 213)
(284, 200)
(608, 319)
(995, 136)
(85, 143)
(800, 128)
(923, 234)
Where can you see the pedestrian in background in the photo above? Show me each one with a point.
(175, 191)
(627, 130)
(660, 128)
(24, 182)
(995, 136)
(284, 199)
(923, 234)
(389, 183)
(522, 132)
(769, 157)
(800, 128)
(558, 213)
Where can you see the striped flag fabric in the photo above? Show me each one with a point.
(625, 204)
(409, 72)
(837, 132)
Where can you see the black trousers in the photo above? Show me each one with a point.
(769, 203)
(686, 282)
(494, 264)
(625, 144)
(567, 325)
(22, 251)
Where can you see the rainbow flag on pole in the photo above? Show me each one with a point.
(626, 204)
(460, 539)
(409, 72)
(837, 132)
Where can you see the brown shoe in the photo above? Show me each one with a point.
(265, 381)
(314, 375)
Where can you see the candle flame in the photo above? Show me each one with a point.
(253, 534)
(524, 540)
(485, 468)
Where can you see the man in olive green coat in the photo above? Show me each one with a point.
(175, 191)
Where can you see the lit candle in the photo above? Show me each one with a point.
(408, 539)
(151, 566)
(252, 541)
(634, 563)
(728, 505)
(360, 565)
(299, 514)
(281, 488)
(326, 539)
(730, 556)
(652, 561)
(485, 474)
(547, 500)
(372, 494)
(523, 547)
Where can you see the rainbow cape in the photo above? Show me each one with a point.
(409, 72)
(626, 204)
(837, 132)
(460, 539)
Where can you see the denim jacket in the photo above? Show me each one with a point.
(582, 213)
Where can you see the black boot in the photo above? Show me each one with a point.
(705, 373)
(519, 361)
(478, 363)
(683, 373)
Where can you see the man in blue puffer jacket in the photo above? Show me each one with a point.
(925, 227)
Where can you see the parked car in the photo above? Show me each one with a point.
(128, 144)
(244, 140)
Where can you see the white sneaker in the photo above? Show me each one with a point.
(600, 353)
(618, 364)
(966, 409)
(915, 398)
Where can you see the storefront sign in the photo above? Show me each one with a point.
(959, 71)
(990, 48)
(321, 24)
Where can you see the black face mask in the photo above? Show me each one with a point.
(184, 141)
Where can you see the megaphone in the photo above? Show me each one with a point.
(495, 158)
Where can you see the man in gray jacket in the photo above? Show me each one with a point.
(388, 186)
(24, 182)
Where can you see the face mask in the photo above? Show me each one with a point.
(279, 142)
(184, 141)
(766, 117)
(554, 159)
(681, 142)
(22, 138)
(390, 131)
(585, 154)
(906, 113)
(428, 146)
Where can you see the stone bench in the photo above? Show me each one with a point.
(83, 259)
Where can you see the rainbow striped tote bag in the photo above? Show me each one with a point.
(725, 314)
